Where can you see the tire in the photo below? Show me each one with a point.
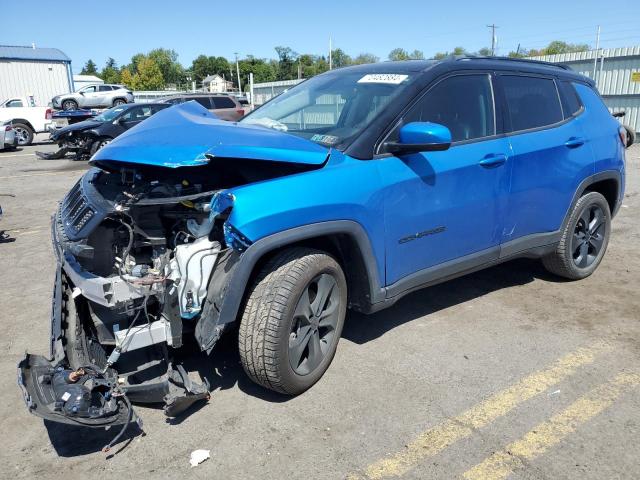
(24, 133)
(98, 144)
(631, 135)
(119, 101)
(584, 240)
(278, 336)
(69, 105)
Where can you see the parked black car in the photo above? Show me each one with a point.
(87, 137)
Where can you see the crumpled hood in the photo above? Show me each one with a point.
(76, 127)
(185, 135)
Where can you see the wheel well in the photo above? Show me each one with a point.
(344, 248)
(23, 121)
(608, 189)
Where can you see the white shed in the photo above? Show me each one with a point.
(38, 72)
(80, 81)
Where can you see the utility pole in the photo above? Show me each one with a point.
(238, 71)
(330, 60)
(595, 57)
(493, 27)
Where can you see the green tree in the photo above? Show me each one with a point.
(167, 61)
(148, 76)
(340, 59)
(89, 68)
(398, 54)
(203, 66)
(126, 78)
(484, 52)
(416, 55)
(363, 58)
(110, 73)
(287, 67)
(459, 51)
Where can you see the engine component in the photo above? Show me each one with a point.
(191, 269)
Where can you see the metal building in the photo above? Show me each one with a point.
(38, 72)
(617, 75)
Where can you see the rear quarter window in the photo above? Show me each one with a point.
(532, 102)
(571, 104)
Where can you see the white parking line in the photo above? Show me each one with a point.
(18, 155)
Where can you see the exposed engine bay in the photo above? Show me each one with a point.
(137, 248)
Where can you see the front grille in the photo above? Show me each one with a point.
(75, 211)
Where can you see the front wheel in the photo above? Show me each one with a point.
(584, 240)
(98, 144)
(69, 105)
(293, 319)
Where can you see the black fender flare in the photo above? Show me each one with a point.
(233, 272)
(25, 122)
(585, 184)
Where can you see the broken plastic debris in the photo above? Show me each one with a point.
(199, 456)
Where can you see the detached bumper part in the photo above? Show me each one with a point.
(77, 398)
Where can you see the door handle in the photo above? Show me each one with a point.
(574, 142)
(493, 160)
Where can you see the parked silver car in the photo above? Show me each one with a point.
(94, 96)
(8, 137)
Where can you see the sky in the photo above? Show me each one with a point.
(98, 29)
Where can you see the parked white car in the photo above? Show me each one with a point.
(26, 118)
(8, 138)
(94, 96)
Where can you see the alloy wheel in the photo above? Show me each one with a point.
(22, 134)
(314, 324)
(588, 236)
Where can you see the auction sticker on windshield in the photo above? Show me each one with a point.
(391, 78)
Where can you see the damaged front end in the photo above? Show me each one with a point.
(135, 257)
(146, 254)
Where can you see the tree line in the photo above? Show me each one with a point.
(159, 68)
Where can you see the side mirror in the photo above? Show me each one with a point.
(418, 137)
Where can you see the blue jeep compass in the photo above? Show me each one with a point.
(348, 191)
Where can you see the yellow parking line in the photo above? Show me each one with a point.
(436, 439)
(541, 438)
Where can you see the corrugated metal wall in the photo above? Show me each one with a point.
(43, 80)
(263, 92)
(614, 70)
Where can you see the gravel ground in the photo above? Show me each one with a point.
(508, 372)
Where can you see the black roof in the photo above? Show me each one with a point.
(453, 63)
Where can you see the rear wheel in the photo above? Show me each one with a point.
(293, 320)
(119, 101)
(584, 240)
(69, 105)
(24, 133)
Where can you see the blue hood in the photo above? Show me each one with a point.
(184, 135)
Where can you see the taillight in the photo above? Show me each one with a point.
(8, 128)
(48, 114)
(622, 132)
(240, 111)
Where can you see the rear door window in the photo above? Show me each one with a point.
(105, 88)
(532, 102)
(204, 101)
(223, 102)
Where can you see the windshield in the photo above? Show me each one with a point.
(109, 115)
(331, 109)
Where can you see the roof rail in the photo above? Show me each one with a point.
(512, 59)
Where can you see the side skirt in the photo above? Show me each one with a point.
(531, 246)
